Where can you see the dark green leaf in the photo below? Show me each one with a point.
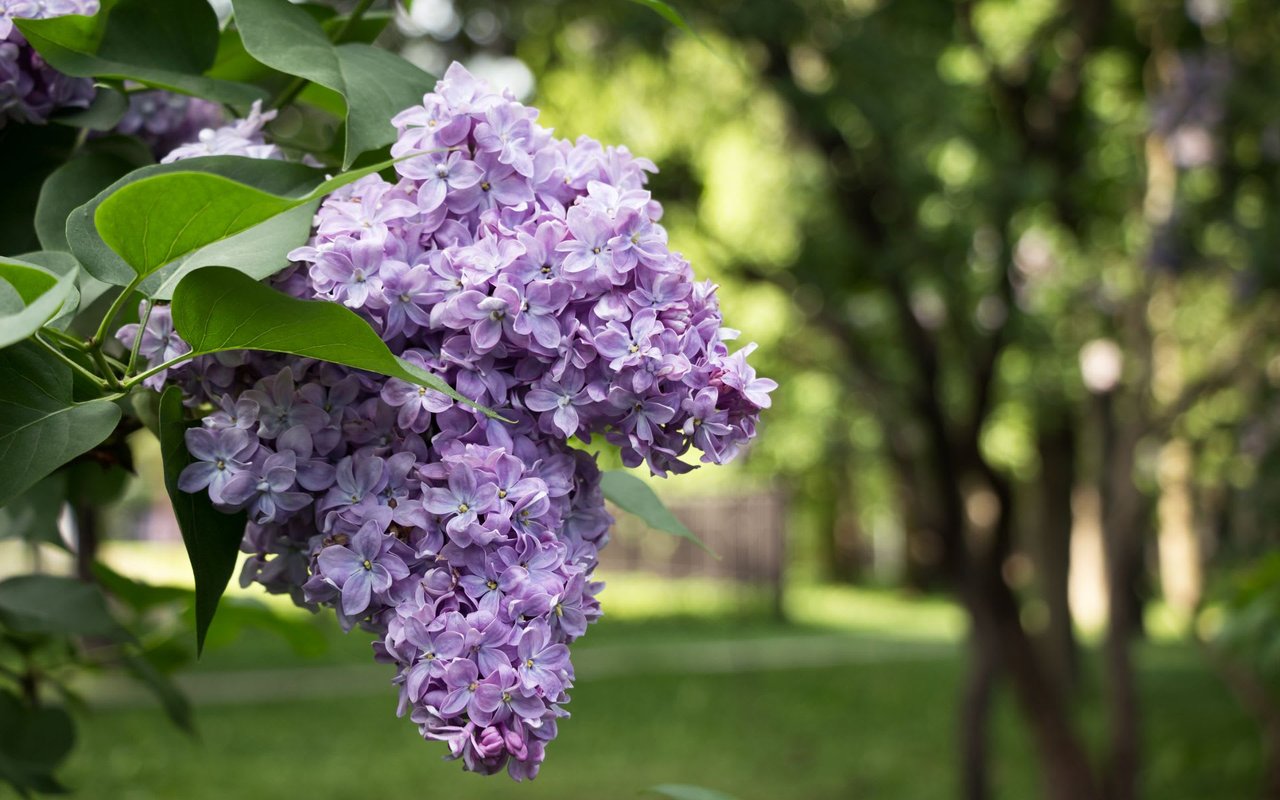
(217, 308)
(33, 743)
(175, 704)
(634, 496)
(108, 106)
(41, 427)
(668, 13)
(29, 154)
(52, 604)
(137, 595)
(375, 83)
(212, 537)
(167, 45)
(43, 293)
(33, 515)
(76, 183)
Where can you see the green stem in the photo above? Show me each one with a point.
(100, 358)
(352, 19)
(99, 382)
(295, 87)
(66, 338)
(112, 312)
(137, 340)
(129, 383)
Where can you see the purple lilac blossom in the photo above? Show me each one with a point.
(530, 273)
(30, 89)
(165, 120)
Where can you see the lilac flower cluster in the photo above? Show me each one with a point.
(165, 120)
(30, 89)
(532, 275)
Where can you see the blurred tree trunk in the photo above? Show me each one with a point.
(975, 718)
(1057, 450)
(843, 533)
(1123, 526)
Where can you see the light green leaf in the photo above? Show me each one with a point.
(167, 45)
(212, 537)
(218, 308)
(41, 426)
(155, 220)
(42, 292)
(634, 496)
(375, 83)
(275, 177)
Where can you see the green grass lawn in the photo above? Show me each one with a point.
(881, 726)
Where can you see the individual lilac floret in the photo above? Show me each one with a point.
(531, 274)
(364, 569)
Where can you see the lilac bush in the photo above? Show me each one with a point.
(532, 274)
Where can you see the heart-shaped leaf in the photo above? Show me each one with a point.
(178, 217)
(218, 308)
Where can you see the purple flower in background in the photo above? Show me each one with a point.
(366, 568)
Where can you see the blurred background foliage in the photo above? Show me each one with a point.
(1014, 265)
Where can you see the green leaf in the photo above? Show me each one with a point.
(175, 704)
(52, 604)
(41, 426)
(375, 83)
(75, 183)
(212, 538)
(105, 264)
(33, 743)
(218, 308)
(176, 217)
(634, 496)
(668, 13)
(108, 106)
(33, 515)
(29, 154)
(678, 791)
(167, 45)
(43, 293)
